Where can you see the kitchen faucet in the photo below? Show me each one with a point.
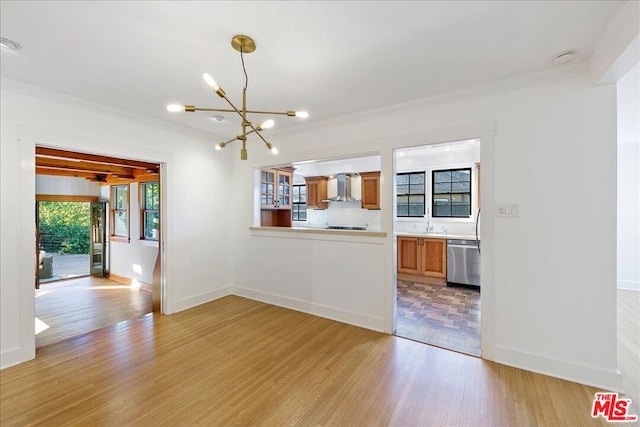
(428, 220)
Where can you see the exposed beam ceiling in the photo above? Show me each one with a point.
(51, 161)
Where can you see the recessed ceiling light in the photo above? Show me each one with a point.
(564, 57)
(9, 44)
(219, 118)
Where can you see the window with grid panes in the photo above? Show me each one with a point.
(299, 206)
(451, 197)
(120, 210)
(149, 213)
(410, 197)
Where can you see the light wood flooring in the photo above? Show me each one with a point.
(68, 308)
(239, 362)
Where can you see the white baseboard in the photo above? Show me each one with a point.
(628, 285)
(11, 357)
(201, 299)
(605, 380)
(368, 322)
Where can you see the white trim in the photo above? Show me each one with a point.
(566, 370)
(469, 92)
(23, 88)
(617, 38)
(204, 298)
(628, 285)
(12, 357)
(368, 322)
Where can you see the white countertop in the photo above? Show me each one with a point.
(437, 235)
(320, 231)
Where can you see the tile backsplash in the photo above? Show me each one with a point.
(436, 226)
(348, 214)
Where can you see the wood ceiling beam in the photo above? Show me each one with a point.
(74, 165)
(93, 158)
(65, 172)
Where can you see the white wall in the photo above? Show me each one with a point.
(196, 240)
(66, 186)
(629, 180)
(543, 301)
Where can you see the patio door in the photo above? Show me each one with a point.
(98, 246)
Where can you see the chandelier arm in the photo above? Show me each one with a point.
(231, 140)
(235, 108)
(260, 135)
(229, 110)
(248, 123)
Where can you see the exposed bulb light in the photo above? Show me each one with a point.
(267, 124)
(212, 83)
(244, 45)
(272, 148)
(175, 108)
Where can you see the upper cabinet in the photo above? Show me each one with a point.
(370, 187)
(275, 188)
(317, 192)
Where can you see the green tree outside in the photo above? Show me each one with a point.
(64, 227)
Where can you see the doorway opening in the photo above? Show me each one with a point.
(98, 256)
(437, 229)
(63, 240)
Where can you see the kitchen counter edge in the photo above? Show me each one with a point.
(444, 236)
(322, 231)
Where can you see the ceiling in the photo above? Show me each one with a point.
(109, 170)
(326, 57)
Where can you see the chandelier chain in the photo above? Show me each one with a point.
(246, 78)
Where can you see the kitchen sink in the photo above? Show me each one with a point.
(342, 227)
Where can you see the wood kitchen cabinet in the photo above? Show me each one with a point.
(370, 187)
(422, 257)
(275, 188)
(317, 192)
(275, 197)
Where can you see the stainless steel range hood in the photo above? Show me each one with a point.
(343, 181)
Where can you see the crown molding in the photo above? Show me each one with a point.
(619, 34)
(466, 93)
(469, 92)
(23, 88)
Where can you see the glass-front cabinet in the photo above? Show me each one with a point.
(275, 188)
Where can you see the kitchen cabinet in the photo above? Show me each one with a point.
(422, 257)
(275, 197)
(370, 187)
(317, 192)
(275, 188)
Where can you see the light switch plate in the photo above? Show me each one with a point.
(508, 210)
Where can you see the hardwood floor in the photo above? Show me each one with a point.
(69, 308)
(239, 362)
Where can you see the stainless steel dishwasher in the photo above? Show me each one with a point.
(463, 262)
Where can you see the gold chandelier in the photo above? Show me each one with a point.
(243, 44)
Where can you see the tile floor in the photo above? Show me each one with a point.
(439, 315)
